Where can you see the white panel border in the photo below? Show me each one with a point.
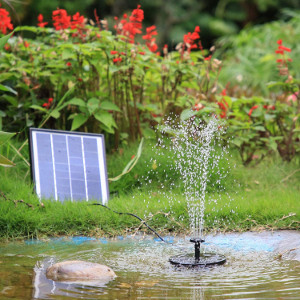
(35, 163)
(103, 175)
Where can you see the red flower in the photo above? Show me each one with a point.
(131, 27)
(117, 59)
(5, 21)
(46, 105)
(40, 21)
(189, 43)
(207, 58)
(7, 47)
(113, 52)
(190, 39)
(68, 64)
(152, 46)
(61, 20)
(224, 92)
(279, 52)
(251, 110)
(26, 44)
(269, 107)
(282, 61)
(142, 52)
(284, 48)
(78, 21)
(137, 15)
(223, 114)
(221, 105)
(198, 107)
(150, 40)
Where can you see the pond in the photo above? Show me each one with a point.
(253, 269)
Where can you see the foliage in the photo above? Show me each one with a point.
(173, 18)
(84, 77)
(118, 87)
(261, 125)
(249, 58)
(4, 137)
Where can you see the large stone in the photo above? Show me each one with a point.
(76, 270)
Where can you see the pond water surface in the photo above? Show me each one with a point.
(252, 270)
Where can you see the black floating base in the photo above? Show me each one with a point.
(205, 259)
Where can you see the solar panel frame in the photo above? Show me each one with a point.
(86, 151)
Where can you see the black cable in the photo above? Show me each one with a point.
(130, 214)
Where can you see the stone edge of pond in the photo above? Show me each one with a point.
(284, 243)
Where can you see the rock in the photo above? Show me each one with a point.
(76, 270)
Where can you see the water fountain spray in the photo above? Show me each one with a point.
(194, 145)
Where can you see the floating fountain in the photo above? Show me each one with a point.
(194, 145)
(197, 259)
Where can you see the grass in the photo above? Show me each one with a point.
(262, 197)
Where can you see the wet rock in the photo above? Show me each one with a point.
(289, 247)
(74, 270)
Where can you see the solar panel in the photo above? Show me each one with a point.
(68, 165)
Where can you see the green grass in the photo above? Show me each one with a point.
(261, 197)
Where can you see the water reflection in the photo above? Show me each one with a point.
(144, 271)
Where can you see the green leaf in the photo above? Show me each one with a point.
(93, 105)
(149, 133)
(273, 84)
(4, 40)
(55, 114)
(269, 117)
(106, 119)
(237, 142)
(273, 144)
(11, 99)
(7, 89)
(69, 92)
(259, 128)
(5, 136)
(33, 29)
(68, 54)
(78, 121)
(4, 162)
(37, 107)
(75, 101)
(114, 68)
(106, 105)
(187, 113)
(131, 163)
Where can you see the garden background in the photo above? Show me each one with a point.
(122, 68)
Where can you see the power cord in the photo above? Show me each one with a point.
(133, 215)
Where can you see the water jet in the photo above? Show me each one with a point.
(198, 147)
